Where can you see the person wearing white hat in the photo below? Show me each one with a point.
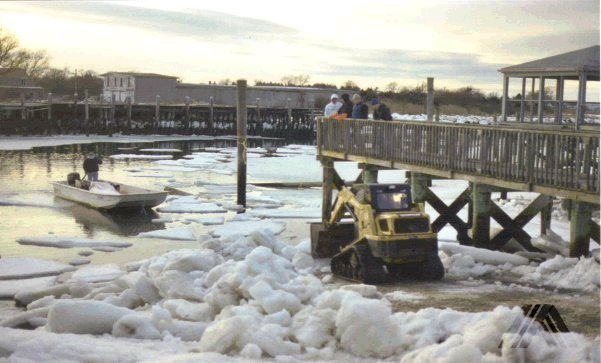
(332, 107)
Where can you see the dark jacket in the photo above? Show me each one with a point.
(382, 113)
(360, 111)
(91, 165)
(347, 107)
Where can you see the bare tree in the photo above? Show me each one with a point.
(350, 85)
(35, 63)
(298, 80)
(392, 87)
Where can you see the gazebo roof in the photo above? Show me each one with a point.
(583, 60)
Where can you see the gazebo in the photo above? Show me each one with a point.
(581, 65)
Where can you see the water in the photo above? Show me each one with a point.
(29, 208)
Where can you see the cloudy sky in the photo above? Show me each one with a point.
(370, 42)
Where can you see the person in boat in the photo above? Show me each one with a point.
(91, 166)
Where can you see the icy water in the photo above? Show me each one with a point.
(29, 208)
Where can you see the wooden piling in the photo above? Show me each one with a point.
(370, 174)
(430, 99)
(259, 123)
(129, 114)
(580, 229)
(482, 205)
(545, 218)
(289, 106)
(241, 139)
(211, 114)
(50, 114)
(327, 166)
(157, 112)
(187, 111)
(86, 112)
(419, 184)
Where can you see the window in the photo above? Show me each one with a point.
(120, 81)
(128, 81)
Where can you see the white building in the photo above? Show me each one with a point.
(122, 85)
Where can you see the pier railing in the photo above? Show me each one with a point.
(553, 162)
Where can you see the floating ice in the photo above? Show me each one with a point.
(69, 242)
(179, 233)
(101, 273)
(140, 157)
(9, 288)
(13, 268)
(246, 228)
(189, 204)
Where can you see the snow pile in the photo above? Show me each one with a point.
(69, 242)
(257, 297)
(559, 272)
(189, 204)
(565, 272)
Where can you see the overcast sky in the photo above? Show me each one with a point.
(370, 42)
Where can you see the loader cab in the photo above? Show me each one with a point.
(390, 197)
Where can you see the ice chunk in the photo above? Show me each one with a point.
(69, 242)
(140, 156)
(98, 273)
(186, 310)
(482, 255)
(83, 317)
(400, 295)
(13, 268)
(365, 328)
(79, 261)
(179, 207)
(246, 228)
(137, 326)
(208, 221)
(180, 233)
(9, 288)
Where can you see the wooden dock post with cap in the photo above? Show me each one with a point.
(241, 139)
(430, 99)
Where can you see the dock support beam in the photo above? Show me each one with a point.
(327, 166)
(241, 138)
(370, 174)
(419, 186)
(545, 218)
(482, 205)
(580, 229)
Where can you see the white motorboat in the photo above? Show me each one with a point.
(127, 196)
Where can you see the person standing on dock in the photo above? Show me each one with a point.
(332, 107)
(347, 106)
(91, 166)
(360, 110)
(381, 111)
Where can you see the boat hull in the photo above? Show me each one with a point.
(131, 197)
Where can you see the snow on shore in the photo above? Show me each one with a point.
(256, 297)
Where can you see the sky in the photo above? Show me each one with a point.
(373, 43)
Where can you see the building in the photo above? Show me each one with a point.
(13, 81)
(139, 87)
(144, 87)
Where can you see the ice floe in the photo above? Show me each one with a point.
(13, 268)
(69, 242)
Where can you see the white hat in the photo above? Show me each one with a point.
(333, 96)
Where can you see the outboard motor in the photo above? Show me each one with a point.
(72, 177)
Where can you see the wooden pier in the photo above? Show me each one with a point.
(552, 161)
(52, 117)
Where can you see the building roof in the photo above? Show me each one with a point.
(583, 60)
(139, 74)
(12, 72)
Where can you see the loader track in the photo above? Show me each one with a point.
(358, 264)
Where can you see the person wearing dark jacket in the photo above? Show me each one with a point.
(91, 166)
(347, 106)
(360, 110)
(381, 111)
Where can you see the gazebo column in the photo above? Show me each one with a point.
(504, 101)
(522, 100)
(581, 99)
(541, 97)
(532, 100)
(559, 99)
